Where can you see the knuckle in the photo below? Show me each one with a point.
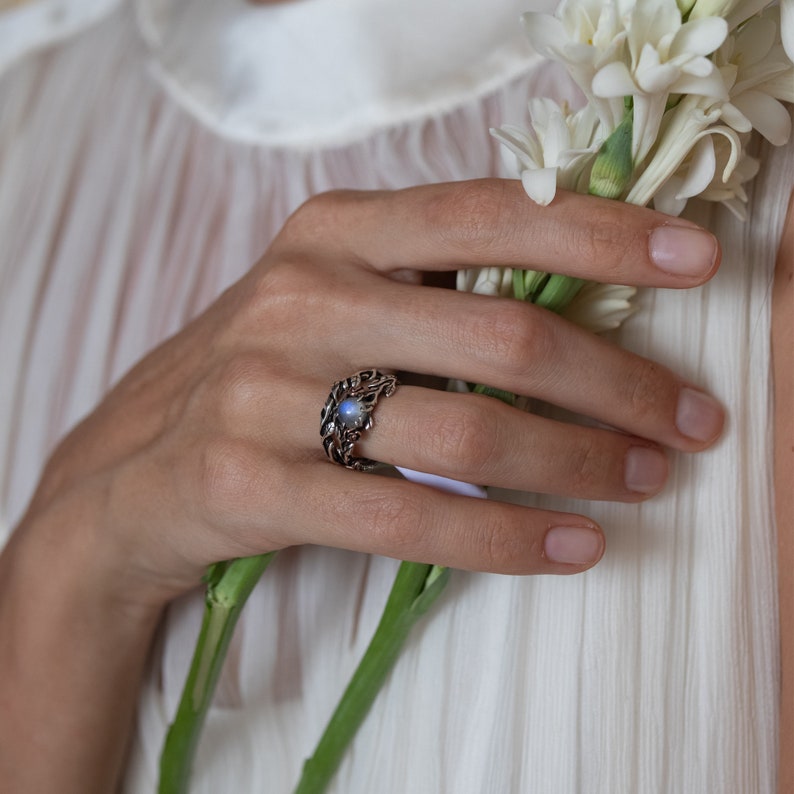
(587, 465)
(646, 388)
(395, 521)
(282, 290)
(240, 383)
(464, 438)
(602, 241)
(515, 336)
(317, 219)
(229, 477)
(503, 544)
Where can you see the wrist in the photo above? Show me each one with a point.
(73, 650)
(65, 550)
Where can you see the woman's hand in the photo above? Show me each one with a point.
(210, 449)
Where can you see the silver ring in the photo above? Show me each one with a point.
(348, 413)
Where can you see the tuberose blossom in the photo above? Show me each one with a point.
(694, 75)
(758, 74)
(557, 150)
(736, 12)
(601, 307)
(585, 36)
(673, 89)
(662, 56)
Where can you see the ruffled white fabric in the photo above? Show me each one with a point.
(122, 216)
(26, 25)
(324, 72)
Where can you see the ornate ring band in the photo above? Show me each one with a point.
(348, 413)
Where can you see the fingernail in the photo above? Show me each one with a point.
(644, 469)
(573, 545)
(698, 416)
(682, 250)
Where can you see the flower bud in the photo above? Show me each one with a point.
(613, 165)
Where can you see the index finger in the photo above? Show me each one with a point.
(492, 222)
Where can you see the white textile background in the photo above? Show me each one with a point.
(122, 215)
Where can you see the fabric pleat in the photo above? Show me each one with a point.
(122, 217)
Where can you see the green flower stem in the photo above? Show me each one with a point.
(558, 292)
(228, 586)
(610, 178)
(415, 589)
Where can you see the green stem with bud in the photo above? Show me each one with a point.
(228, 586)
(610, 177)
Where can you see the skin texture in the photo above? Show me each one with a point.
(783, 357)
(209, 448)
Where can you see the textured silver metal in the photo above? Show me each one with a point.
(366, 387)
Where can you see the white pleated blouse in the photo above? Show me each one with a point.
(147, 156)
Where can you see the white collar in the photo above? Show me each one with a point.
(307, 73)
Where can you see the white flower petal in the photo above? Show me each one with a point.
(711, 86)
(614, 80)
(464, 280)
(698, 66)
(754, 40)
(496, 281)
(699, 37)
(601, 307)
(526, 152)
(659, 79)
(540, 185)
(787, 26)
(766, 115)
(546, 34)
(666, 199)
(681, 129)
(648, 112)
(734, 118)
(741, 11)
(781, 86)
(701, 169)
(556, 140)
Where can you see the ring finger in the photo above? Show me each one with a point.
(479, 439)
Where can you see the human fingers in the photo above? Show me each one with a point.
(493, 222)
(474, 438)
(506, 344)
(520, 348)
(407, 521)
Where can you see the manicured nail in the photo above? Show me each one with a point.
(573, 545)
(683, 250)
(644, 469)
(698, 416)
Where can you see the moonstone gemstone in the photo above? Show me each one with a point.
(351, 413)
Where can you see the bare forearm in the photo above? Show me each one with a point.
(72, 655)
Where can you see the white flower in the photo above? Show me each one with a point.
(707, 175)
(731, 192)
(558, 149)
(684, 126)
(601, 307)
(663, 56)
(738, 11)
(584, 35)
(758, 74)
(486, 281)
